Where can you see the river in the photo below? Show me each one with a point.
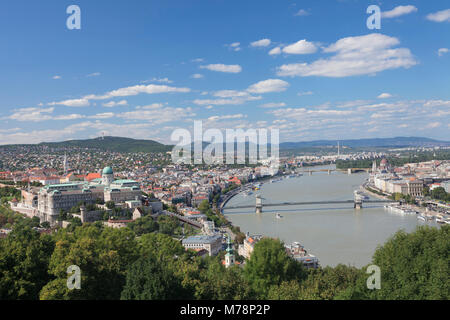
(334, 233)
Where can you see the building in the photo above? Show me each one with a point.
(229, 256)
(298, 252)
(415, 188)
(213, 244)
(247, 247)
(56, 197)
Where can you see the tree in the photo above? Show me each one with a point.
(143, 225)
(167, 224)
(413, 266)
(328, 283)
(270, 265)
(103, 256)
(287, 290)
(149, 279)
(24, 260)
(110, 205)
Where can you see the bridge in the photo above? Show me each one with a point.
(357, 203)
(329, 171)
(183, 219)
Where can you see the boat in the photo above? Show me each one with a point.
(279, 216)
(440, 220)
(421, 217)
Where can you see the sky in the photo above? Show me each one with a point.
(142, 69)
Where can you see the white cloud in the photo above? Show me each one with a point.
(384, 95)
(270, 85)
(135, 90)
(306, 93)
(437, 103)
(115, 103)
(273, 105)
(301, 13)
(104, 115)
(360, 55)
(300, 47)
(442, 51)
(399, 11)
(433, 125)
(440, 16)
(261, 43)
(56, 77)
(235, 44)
(95, 74)
(233, 68)
(226, 117)
(157, 113)
(32, 114)
(83, 102)
(274, 51)
(197, 76)
(197, 60)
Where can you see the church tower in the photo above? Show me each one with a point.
(229, 256)
(107, 176)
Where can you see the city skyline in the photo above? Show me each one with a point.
(142, 70)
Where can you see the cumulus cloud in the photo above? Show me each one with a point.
(440, 16)
(95, 74)
(56, 77)
(83, 102)
(261, 43)
(399, 11)
(32, 114)
(273, 105)
(226, 117)
(197, 76)
(115, 103)
(359, 55)
(157, 113)
(301, 13)
(274, 51)
(270, 85)
(300, 47)
(442, 51)
(232, 68)
(135, 90)
(384, 95)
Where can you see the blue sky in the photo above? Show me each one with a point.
(142, 69)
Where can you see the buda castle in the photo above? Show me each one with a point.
(53, 198)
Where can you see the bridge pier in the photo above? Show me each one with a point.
(259, 205)
(358, 205)
(310, 172)
(349, 171)
(329, 172)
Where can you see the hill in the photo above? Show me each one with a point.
(397, 142)
(116, 144)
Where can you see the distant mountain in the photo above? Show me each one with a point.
(376, 142)
(119, 144)
(116, 144)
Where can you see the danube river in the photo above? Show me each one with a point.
(334, 233)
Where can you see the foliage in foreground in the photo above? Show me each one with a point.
(116, 264)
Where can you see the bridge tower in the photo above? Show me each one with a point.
(349, 171)
(329, 171)
(259, 204)
(310, 172)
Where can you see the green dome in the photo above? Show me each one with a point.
(107, 170)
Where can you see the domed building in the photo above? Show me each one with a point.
(107, 176)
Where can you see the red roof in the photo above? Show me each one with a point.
(92, 176)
